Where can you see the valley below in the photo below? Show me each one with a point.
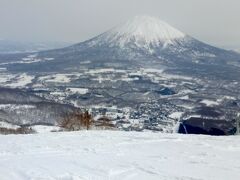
(143, 98)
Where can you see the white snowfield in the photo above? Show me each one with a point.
(109, 155)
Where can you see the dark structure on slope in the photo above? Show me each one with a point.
(195, 125)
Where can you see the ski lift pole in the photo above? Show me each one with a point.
(238, 124)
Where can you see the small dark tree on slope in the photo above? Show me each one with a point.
(76, 120)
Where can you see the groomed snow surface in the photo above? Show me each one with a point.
(93, 155)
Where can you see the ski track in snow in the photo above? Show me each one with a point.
(118, 155)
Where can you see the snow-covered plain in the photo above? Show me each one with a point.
(105, 155)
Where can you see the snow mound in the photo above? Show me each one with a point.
(209, 102)
(8, 125)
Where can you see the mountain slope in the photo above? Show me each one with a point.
(118, 155)
(22, 107)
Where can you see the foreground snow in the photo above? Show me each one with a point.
(118, 155)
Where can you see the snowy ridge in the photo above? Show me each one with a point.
(143, 30)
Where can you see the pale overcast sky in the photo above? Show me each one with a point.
(214, 21)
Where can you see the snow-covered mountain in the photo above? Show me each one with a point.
(142, 41)
(142, 37)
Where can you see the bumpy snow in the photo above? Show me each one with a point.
(56, 78)
(144, 30)
(8, 125)
(45, 129)
(209, 102)
(21, 80)
(111, 155)
(176, 115)
(78, 90)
